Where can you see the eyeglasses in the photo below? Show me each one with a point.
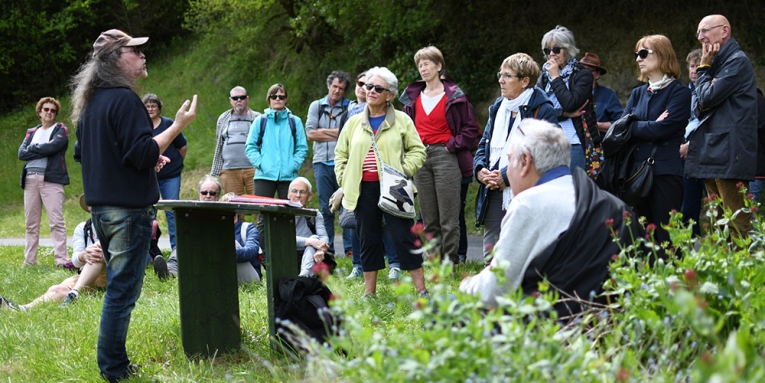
(705, 30)
(50, 110)
(278, 96)
(135, 50)
(360, 84)
(377, 88)
(555, 50)
(210, 193)
(152, 106)
(643, 53)
(507, 76)
(239, 98)
(299, 192)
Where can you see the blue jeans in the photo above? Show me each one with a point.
(756, 187)
(170, 189)
(125, 236)
(577, 157)
(326, 184)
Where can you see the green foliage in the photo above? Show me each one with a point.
(43, 42)
(696, 317)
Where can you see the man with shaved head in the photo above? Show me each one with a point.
(723, 149)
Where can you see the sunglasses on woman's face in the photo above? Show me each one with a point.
(279, 96)
(50, 110)
(377, 88)
(643, 53)
(555, 50)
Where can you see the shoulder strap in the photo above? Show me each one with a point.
(536, 112)
(293, 127)
(311, 222)
(243, 231)
(263, 121)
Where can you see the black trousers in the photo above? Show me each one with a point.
(369, 220)
(666, 195)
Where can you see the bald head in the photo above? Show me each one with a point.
(714, 29)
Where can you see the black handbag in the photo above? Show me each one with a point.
(637, 181)
(617, 136)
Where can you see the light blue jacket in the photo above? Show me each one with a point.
(281, 154)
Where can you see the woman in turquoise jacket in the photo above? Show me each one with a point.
(276, 145)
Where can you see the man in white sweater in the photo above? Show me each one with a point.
(555, 225)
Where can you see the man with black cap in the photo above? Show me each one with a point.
(119, 157)
(607, 105)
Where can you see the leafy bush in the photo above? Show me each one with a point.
(698, 316)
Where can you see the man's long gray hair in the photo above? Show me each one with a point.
(546, 143)
(94, 73)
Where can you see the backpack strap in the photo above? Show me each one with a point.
(292, 123)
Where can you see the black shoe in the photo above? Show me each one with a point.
(132, 370)
(160, 267)
(70, 298)
(5, 303)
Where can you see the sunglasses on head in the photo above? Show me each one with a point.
(555, 50)
(210, 193)
(238, 98)
(377, 88)
(643, 53)
(278, 96)
(50, 110)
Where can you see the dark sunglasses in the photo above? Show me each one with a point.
(360, 83)
(210, 193)
(135, 50)
(643, 53)
(238, 98)
(278, 96)
(377, 88)
(555, 50)
(50, 110)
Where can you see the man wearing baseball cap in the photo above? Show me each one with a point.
(607, 105)
(119, 157)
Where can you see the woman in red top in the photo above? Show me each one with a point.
(447, 127)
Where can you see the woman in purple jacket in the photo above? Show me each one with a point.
(43, 178)
(445, 122)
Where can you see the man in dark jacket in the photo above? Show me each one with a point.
(723, 149)
(120, 158)
(556, 226)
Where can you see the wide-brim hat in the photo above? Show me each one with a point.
(83, 205)
(592, 60)
(113, 39)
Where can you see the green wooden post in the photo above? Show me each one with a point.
(281, 261)
(207, 284)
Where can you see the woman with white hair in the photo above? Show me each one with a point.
(358, 172)
(569, 86)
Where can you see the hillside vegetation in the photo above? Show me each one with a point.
(206, 47)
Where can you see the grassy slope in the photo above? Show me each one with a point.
(188, 68)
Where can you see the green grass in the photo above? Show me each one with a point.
(52, 344)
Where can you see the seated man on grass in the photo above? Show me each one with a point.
(88, 258)
(245, 236)
(311, 238)
(555, 227)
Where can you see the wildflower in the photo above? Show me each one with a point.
(610, 223)
(650, 229)
(489, 247)
(417, 243)
(691, 278)
(750, 196)
(429, 236)
(626, 215)
(755, 209)
(321, 270)
(418, 228)
(623, 375)
(740, 186)
(615, 257)
(535, 294)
